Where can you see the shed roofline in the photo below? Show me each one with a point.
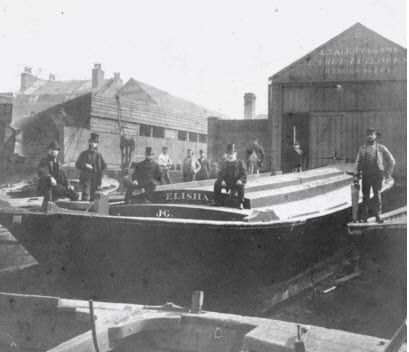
(358, 24)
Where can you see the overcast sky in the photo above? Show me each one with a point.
(209, 52)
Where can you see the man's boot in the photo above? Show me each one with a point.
(365, 213)
(378, 218)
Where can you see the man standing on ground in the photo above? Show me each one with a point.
(165, 163)
(146, 175)
(92, 165)
(255, 157)
(232, 176)
(374, 162)
(54, 182)
(204, 172)
(190, 166)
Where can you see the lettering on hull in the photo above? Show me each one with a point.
(186, 196)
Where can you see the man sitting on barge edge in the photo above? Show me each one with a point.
(232, 176)
(54, 183)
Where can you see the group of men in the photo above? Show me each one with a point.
(374, 163)
(53, 178)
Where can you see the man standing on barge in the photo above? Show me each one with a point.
(92, 165)
(232, 176)
(374, 163)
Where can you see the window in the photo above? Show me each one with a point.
(202, 138)
(145, 130)
(158, 132)
(182, 135)
(192, 137)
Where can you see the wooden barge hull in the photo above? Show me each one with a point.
(109, 253)
(135, 242)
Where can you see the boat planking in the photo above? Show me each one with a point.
(42, 323)
(111, 243)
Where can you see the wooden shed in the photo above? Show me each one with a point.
(328, 98)
(150, 116)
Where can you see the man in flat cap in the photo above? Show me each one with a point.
(147, 175)
(190, 167)
(232, 176)
(165, 163)
(374, 163)
(53, 179)
(92, 165)
(204, 171)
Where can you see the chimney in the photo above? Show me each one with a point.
(97, 76)
(117, 79)
(249, 106)
(51, 77)
(27, 79)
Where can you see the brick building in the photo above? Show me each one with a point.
(328, 98)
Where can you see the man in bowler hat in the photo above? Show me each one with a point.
(147, 175)
(232, 176)
(92, 165)
(53, 179)
(374, 163)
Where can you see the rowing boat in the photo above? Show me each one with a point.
(42, 323)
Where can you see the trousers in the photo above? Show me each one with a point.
(52, 193)
(89, 187)
(372, 180)
(149, 187)
(218, 191)
(166, 177)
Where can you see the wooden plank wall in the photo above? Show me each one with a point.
(110, 138)
(349, 96)
(344, 133)
(75, 141)
(139, 112)
(240, 133)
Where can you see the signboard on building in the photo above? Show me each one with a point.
(356, 54)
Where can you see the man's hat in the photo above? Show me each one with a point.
(94, 137)
(54, 145)
(230, 148)
(164, 147)
(148, 151)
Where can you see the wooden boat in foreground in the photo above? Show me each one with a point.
(39, 323)
(119, 241)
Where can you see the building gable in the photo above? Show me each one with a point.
(356, 54)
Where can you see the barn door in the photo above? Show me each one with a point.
(295, 128)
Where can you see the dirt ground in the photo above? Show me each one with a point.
(373, 303)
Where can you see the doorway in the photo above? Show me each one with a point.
(295, 128)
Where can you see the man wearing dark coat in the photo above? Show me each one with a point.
(53, 179)
(232, 176)
(374, 163)
(204, 171)
(147, 175)
(92, 165)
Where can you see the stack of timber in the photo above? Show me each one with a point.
(41, 323)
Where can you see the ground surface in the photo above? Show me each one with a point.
(374, 303)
